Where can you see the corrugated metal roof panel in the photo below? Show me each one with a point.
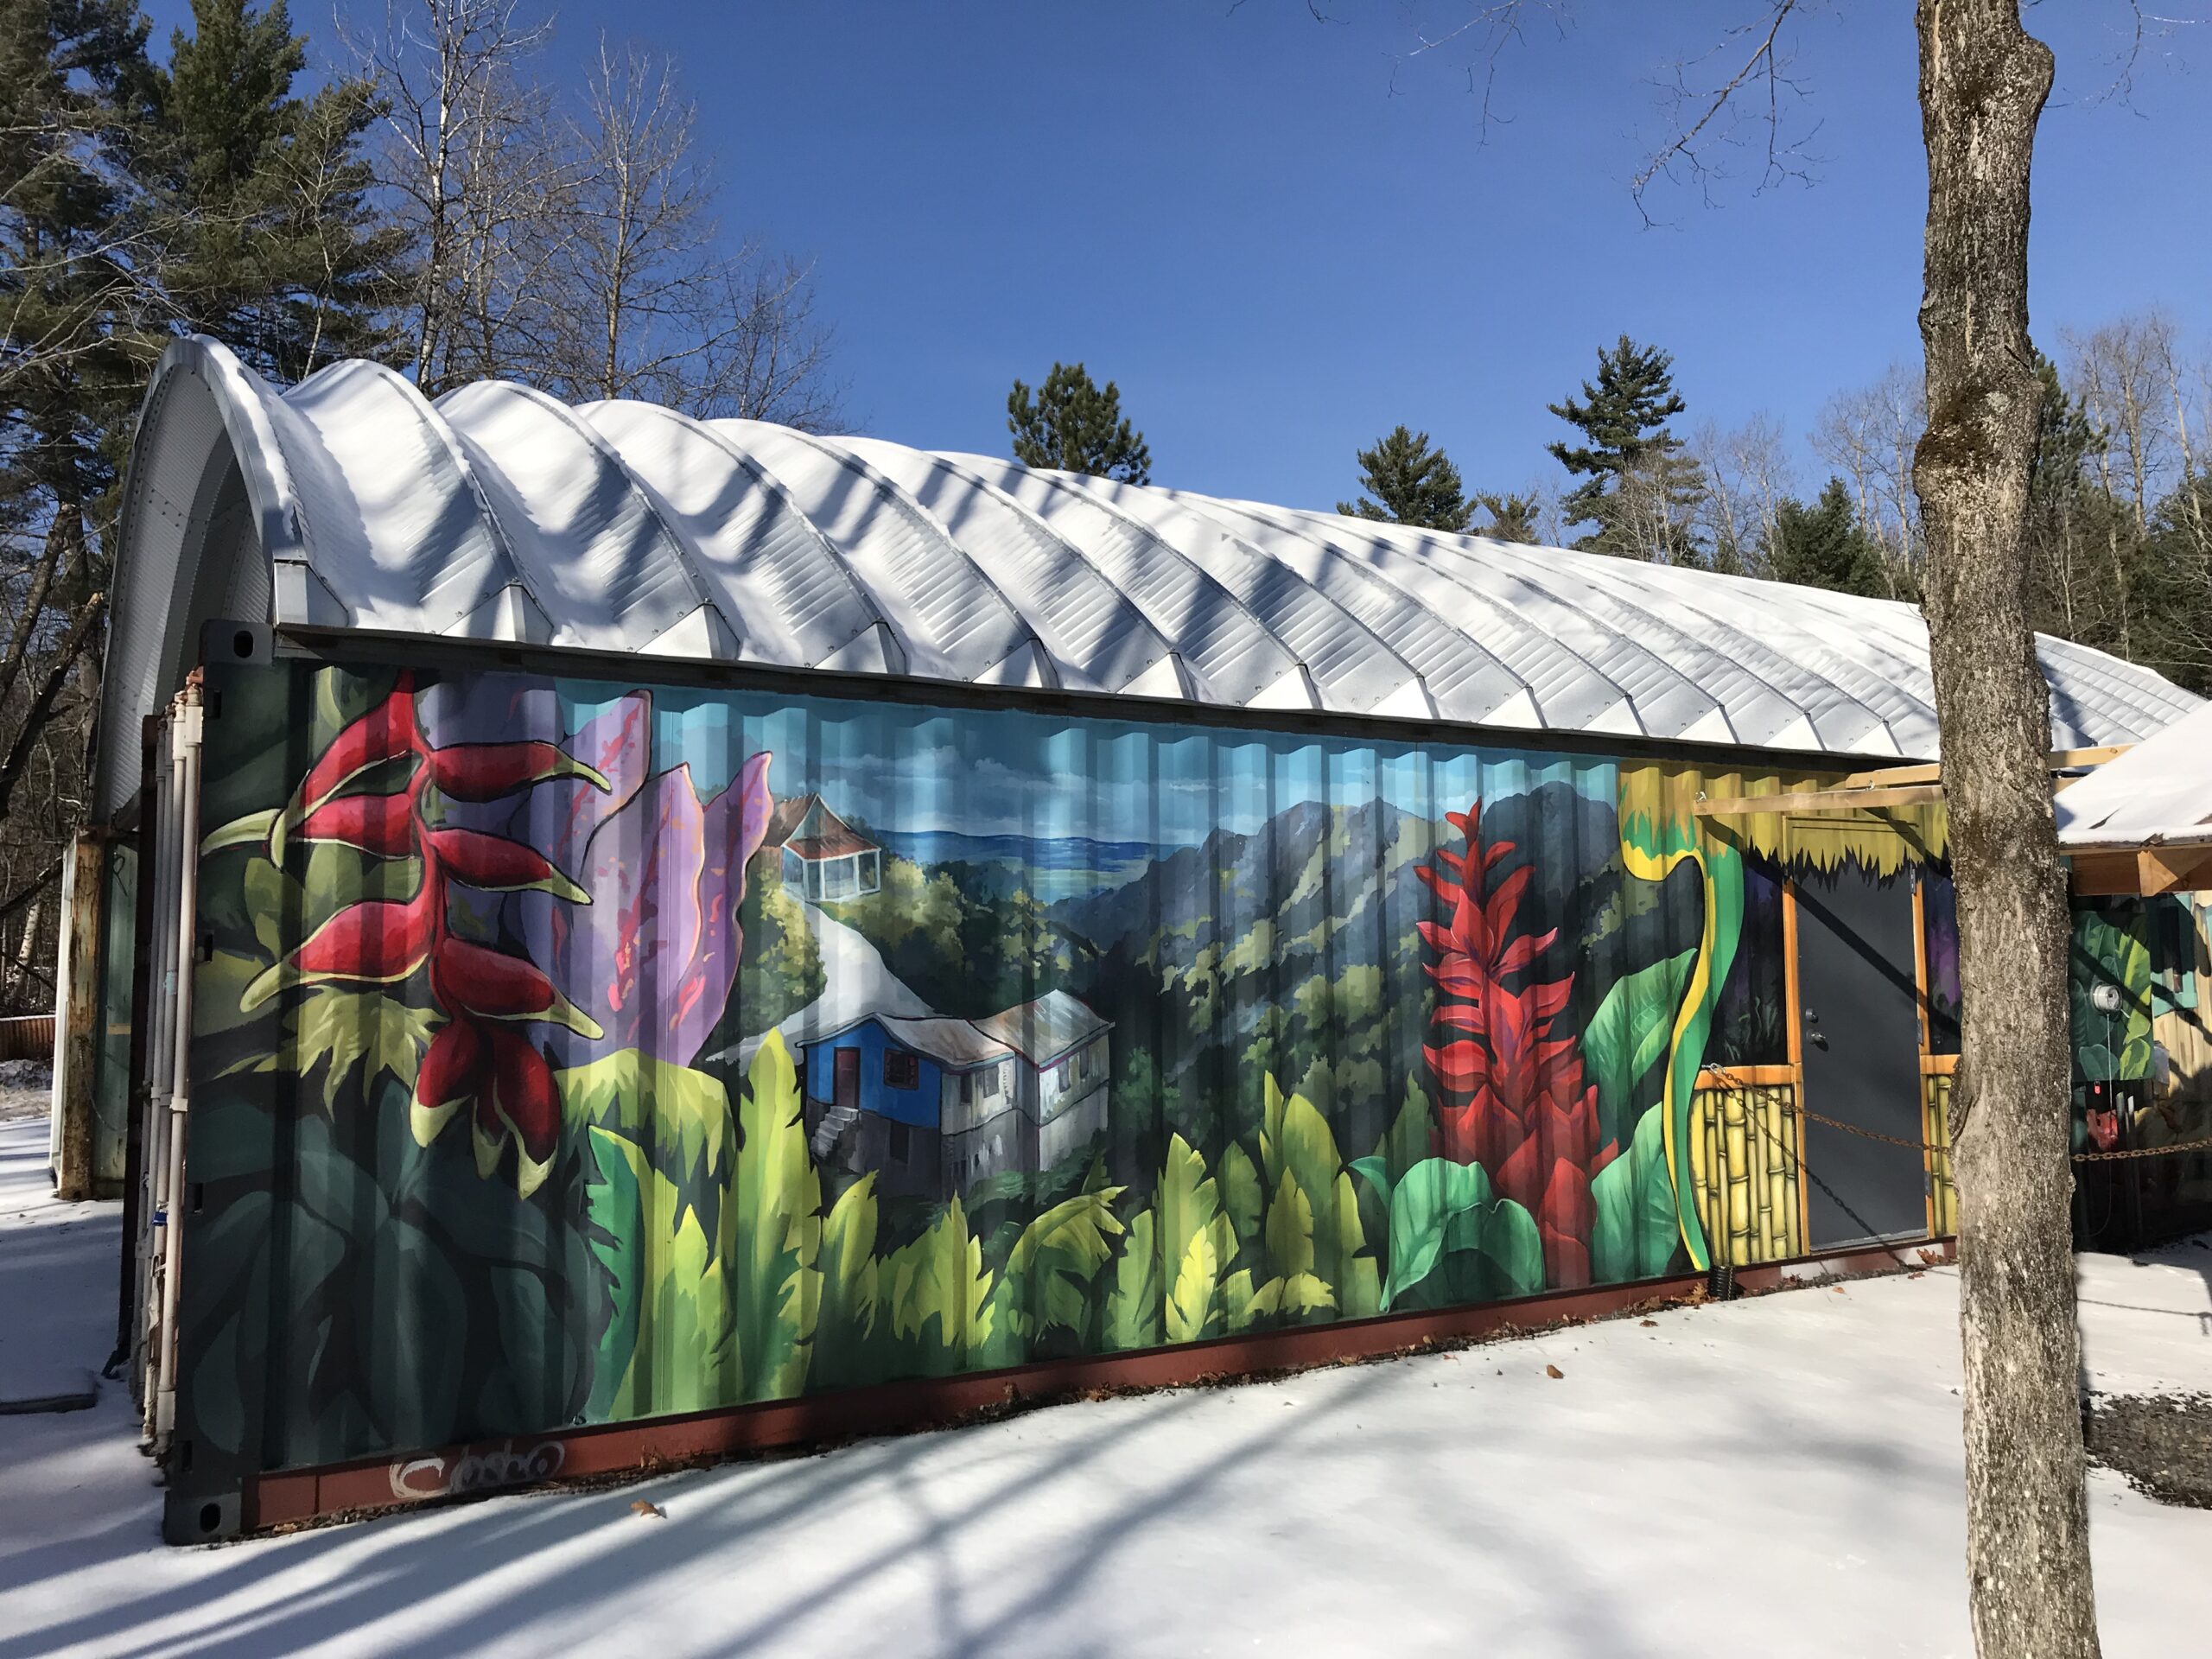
(502, 514)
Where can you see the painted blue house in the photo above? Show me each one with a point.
(934, 1104)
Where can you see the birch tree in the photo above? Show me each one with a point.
(655, 303)
(472, 164)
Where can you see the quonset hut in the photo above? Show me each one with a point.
(1281, 935)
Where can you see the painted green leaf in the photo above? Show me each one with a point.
(1043, 1284)
(668, 1347)
(1410, 1138)
(850, 1280)
(368, 1029)
(771, 1231)
(1433, 1193)
(1290, 1231)
(219, 985)
(1241, 1192)
(1376, 1171)
(1514, 1247)
(1628, 1033)
(1191, 1302)
(1186, 1200)
(1301, 1293)
(683, 1114)
(271, 900)
(1634, 1234)
(940, 1293)
(1133, 1306)
(1238, 1300)
(251, 830)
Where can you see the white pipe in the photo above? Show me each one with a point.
(187, 737)
(165, 801)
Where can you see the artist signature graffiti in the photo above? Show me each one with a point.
(505, 1464)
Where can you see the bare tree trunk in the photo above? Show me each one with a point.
(1983, 82)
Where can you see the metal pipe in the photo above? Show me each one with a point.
(187, 742)
(160, 1067)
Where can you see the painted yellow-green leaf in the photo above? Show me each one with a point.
(771, 1231)
(1238, 1300)
(1410, 1138)
(940, 1292)
(270, 899)
(1191, 1302)
(669, 1348)
(219, 988)
(1133, 1305)
(1187, 1199)
(251, 830)
(1295, 1138)
(847, 1324)
(378, 1033)
(683, 1114)
(848, 1275)
(1242, 1195)
(1633, 1234)
(1290, 1230)
(1301, 1293)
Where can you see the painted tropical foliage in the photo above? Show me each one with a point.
(573, 1053)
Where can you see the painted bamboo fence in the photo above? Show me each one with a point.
(1935, 1130)
(1744, 1155)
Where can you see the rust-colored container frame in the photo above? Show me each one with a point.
(294, 1498)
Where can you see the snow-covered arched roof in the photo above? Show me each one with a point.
(500, 513)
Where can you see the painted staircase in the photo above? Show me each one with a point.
(831, 1130)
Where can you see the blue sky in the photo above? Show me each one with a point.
(1278, 254)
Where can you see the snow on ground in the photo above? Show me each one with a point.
(1780, 1475)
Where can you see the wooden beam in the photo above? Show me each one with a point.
(2172, 869)
(1819, 800)
(2067, 760)
(2102, 875)
(1930, 773)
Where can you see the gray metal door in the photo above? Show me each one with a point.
(1862, 1056)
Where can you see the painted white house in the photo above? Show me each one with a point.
(824, 857)
(1061, 1059)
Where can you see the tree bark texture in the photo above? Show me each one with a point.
(1983, 82)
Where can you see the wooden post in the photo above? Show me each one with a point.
(76, 1015)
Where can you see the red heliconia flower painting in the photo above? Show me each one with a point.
(1514, 1098)
(426, 801)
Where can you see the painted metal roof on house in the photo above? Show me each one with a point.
(955, 1044)
(1046, 1029)
(499, 513)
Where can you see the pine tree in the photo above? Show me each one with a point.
(78, 264)
(79, 269)
(1411, 484)
(1071, 425)
(1637, 488)
(277, 251)
(1824, 545)
(1512, 517)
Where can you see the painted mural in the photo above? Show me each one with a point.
(569, 1052)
